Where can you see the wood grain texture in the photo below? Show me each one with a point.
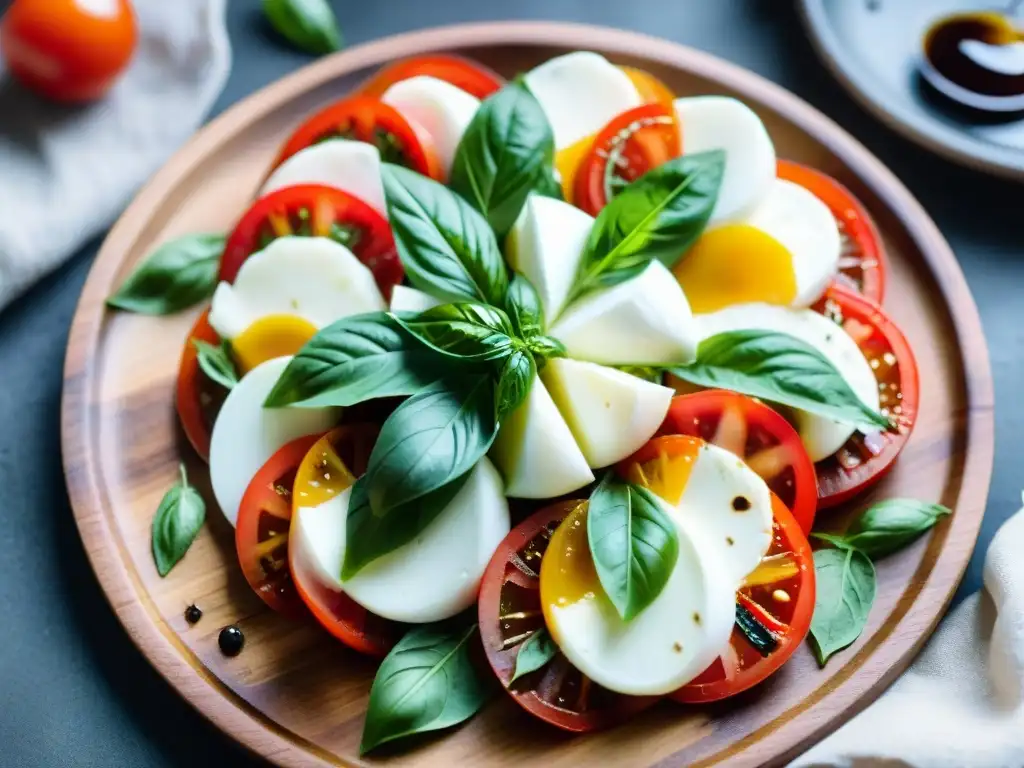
(294, 695)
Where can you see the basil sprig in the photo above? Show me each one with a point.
(309, 25)
(216, 362)
(514, 382)
(658, 216)
(524, 308)
(427, 682)
(505, 153)
(888, 526)
(177, 522)
(175, 276)
(467, 331)
(536, 651)
(633, 543)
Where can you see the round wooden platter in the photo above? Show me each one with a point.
(295, 696)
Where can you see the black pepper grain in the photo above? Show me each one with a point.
(231, 641)
(193, 613)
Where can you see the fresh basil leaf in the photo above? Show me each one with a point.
(890, 525)
(536, 651)
(309, 25)
(467, 331)
(844, 592)
(176, 524)
(434, 437)
(523, 307)
(216, 362)
(546, 347)
(514, 382)
(548, 185)
(505, 153)
(779, 368)
(357, 358)
(446, 246)
(658, 216)
(175, 276)
(645, 372)
(427, 682)
(633, 543)
(835, 539)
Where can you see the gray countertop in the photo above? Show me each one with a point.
(74, 691)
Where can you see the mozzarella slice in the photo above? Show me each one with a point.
(432, 577)
(721, 122)
(643, 321)
(351, 166)
(406, 299)
(313, 278)
(821, 437)
(610, 413)
(667, 644)
(580, 93)
(246, 434)
(536, 452)
(545, 245)
(441, 109)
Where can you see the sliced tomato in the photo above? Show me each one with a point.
(777, 600)
(462, 73)
(510, 612)
(316, 211)
(261, 532)
(327, 468)
(862, 263)
(758, 435)
(363, 118)
(866, 458)
(651, 89)
(630, 145)
(197, 398)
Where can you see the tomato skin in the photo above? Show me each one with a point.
(65, 51)
(193, 389)
(471, 77)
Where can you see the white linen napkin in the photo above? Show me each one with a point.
(67, 171)
(961, 703)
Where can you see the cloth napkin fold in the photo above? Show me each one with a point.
(67, 171)
(961, 703)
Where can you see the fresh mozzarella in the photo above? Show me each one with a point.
(667, 644)
(821, 437)
(434, 576)
(351, 166)
(246, 434)
(406, 299)
(313, 278)
(610, 413)
(580, 93)
(441, 109)
(721, 122)
(545, 245)
(643, 321)
(536, 452)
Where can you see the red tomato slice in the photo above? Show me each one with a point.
(510, 612)
(778, 595)
(316, 211)
(197, 398)
(363, 118)
(630, 145)
(462, 73)
(758, 435)
(261, 533)
(865, 459)
(862, 264)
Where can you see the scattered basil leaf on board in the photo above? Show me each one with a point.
(434, 437)
(836, 540)
(355, 359)
(536, 651)
(890, 525)
(779, 368)
(514, 382)
(309, 25)
(176, 524)
(523, 307)
(175, 276)
(844, 592)
(447, 247)
(427, 682)
(216, 362)
(633, 543)
(658, 216)
(505, 153)
(468, 331)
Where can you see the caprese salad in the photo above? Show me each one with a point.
(565, 363)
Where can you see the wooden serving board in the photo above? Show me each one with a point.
(297, 697)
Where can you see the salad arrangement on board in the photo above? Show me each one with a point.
(556, 372)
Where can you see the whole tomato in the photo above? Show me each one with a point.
(68, 50)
